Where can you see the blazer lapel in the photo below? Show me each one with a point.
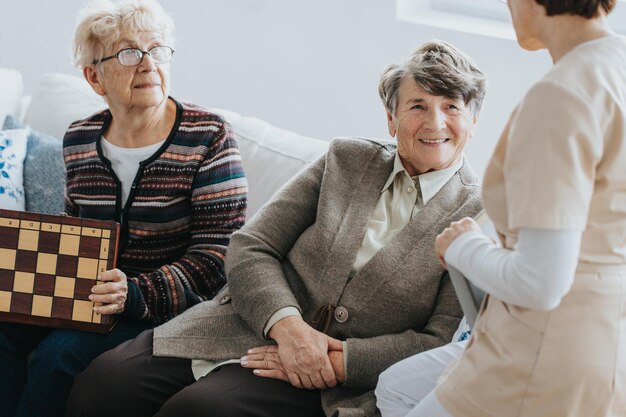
(364, 197)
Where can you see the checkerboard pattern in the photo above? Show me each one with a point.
(48, 265)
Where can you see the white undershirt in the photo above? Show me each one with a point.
(125, 162)
(536, 274)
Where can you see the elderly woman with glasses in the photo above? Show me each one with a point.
(169, 172)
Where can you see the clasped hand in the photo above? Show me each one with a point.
(303, 356)
(445, 238)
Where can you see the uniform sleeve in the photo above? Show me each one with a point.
(218, 208)
(537, 274)
(553, 148)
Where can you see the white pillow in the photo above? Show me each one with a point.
(271, 156)
(10, 93)
(24, 103)
(59, 100)
(12, 152)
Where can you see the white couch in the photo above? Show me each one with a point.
(271, 156)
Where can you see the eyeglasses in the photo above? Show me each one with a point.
(131, 57)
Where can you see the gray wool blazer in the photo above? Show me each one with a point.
(299, 250)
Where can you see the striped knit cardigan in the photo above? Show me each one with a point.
(185, 202)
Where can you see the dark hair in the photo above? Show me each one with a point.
(441, 70)
(584, 8)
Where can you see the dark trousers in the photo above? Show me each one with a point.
(129, 381)
(38, 364)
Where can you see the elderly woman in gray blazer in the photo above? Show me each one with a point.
(334, 280)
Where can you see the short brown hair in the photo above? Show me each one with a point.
(584, 8)
(441, 70)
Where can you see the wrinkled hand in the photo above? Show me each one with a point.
(445, 238)
(303, 354)
(111, 293)
(266, 363)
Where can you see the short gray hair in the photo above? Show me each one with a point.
(441, 70)
(103, 22)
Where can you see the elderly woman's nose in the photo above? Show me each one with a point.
(147, 63)
(435, 120)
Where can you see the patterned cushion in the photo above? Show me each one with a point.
(44, 171)
(12, 153)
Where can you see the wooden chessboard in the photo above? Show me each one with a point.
(48, 265)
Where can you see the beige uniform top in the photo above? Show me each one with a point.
(560, 164)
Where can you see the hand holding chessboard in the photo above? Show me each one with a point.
(48, 265)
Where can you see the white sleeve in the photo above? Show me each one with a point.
(536, 274)
(279, 315)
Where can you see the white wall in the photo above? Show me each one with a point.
(311, 67)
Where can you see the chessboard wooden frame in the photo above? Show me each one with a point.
(48, 265)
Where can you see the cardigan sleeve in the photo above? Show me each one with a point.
(218, 208)
(368, 357)
(254, 263)
(71, 209)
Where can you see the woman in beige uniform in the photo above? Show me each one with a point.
(551, 339)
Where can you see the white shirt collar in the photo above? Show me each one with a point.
(430, 182)
(397, 168)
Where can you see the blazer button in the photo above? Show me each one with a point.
(225, 299)
(341, 314)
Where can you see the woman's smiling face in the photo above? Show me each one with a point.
(431, 131)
